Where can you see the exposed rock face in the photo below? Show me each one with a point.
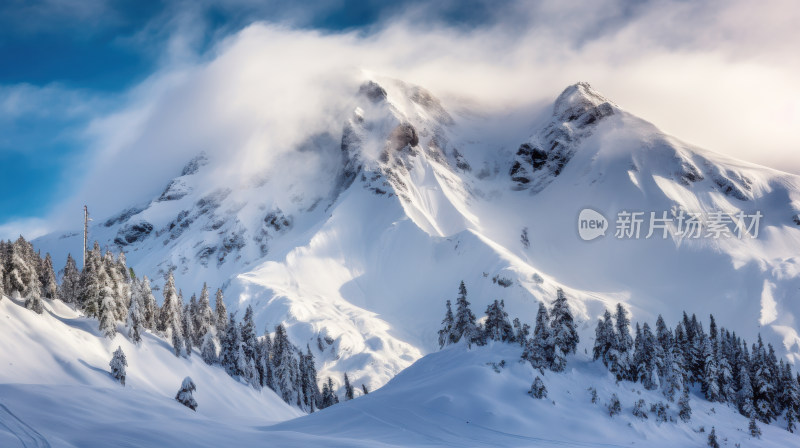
(575, 113)
(133, 232)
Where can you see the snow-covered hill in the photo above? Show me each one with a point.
(56, 391)
(366, 241)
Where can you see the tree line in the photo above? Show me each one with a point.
(107, 290)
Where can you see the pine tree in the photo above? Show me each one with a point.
(329, 397)
(521, 332)
(249, 340)
(209, 348)
(107, 307)
(710, 382)
(465, 326)
(33, 298)
(565, 337)
(755, 431)
(311, 393)
(70, 282)
(230, 344)
(150, 309)
(604, 340)
(349, 394)
(621, 363)
(205, 315)
(745, 395)
(640, 409)
(364, 389)
(185, 396)
(614, 407)
(90, 284)
(446, 332)
(187, 328)
(538, 389)
(134, 321)
(47, 278)
(684, 408)
(498, 327)
(221, 312)
(712, 438)
(171, 319)
(539, 351)
(282, 367)
(118, 364)
(647, 358)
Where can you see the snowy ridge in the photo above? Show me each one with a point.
(365, 244)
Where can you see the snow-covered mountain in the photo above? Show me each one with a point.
(363, 245)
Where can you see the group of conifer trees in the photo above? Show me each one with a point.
(106, 289)
(554, 334)
(718, 361)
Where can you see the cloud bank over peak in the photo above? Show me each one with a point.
(718, 74)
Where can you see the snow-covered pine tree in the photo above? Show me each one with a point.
(712, 438)
(710, 380)
(465, 326)
(265, 364)
(70, 282)
(90, 286)
(192, 311)
(684, 407)
(47, 278)
(604, 339)
(640, 409)
(497, 326)
(249, 339)
(790, 397)
(187, 327)
(150, 310)
(763, 389)
(539, 350)
(311, 393)
(614, 407)
(230, 342)
(33, 297)
(209, 348)
(538, 389)
(364, 389)
(565, 337)
(133, 324)
(107, 306)
(184, 395)
(204, 318)
(621, 364)
(21, 268)
(755, 431)
(282, 354)
(649, 358)
(329, 397)
(168, 313)
(745, 395)
(446, 332)
(349, 394)
(521, 332)
(221, 312)
(118, 365)
(122, 279)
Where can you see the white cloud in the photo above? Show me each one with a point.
(719, 74)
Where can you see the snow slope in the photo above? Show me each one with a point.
(368, 240)
(55, 386)
(55, 391)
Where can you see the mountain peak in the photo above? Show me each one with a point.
(577, 99)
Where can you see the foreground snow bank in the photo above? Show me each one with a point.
(478, 397)
(55, 382)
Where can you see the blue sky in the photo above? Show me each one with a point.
(720, 74)
(96, 50)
